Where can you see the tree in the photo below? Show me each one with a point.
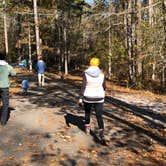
(128, 36)
(164, 45)
(36, 28)
(5, 27)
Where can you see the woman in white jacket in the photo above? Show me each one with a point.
(93, 94)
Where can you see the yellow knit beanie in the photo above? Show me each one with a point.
(94, 62)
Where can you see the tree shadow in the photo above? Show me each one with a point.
(137, 110)
(135, 127)
(53, 95)
(59, 93)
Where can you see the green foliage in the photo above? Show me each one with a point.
(87, 35)
(110, 54)
(100, 1)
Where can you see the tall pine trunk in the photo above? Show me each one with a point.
(131, 40)
(109, 51)
(164, 44)
(65, 52)
(139, 45)
(5, 28)
(151, 24)
(29, 46)
(36, 28)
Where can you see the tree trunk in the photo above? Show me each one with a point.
(128, 24)
(36, 28)
(134, 22)
(131, 40)
(163, 77)
(5, 28)
(164, 44)
(139, 45)
(59, 53)
(65, 53)
(110, 51)
(151, 12)
(29, 44)
(153, 71)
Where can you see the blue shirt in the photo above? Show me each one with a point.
(25, 84)
(41, 67)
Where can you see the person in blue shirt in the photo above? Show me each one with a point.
(41, 67)
(25, 86)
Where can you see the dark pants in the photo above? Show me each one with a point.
(5, 112)
(98, 107)
(24, 91)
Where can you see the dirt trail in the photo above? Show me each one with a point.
(46, 128)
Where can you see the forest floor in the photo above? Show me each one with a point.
(46, 126)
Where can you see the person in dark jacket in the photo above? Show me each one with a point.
(41, 67)
(5, 71)
(93, 94)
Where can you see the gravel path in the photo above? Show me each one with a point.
(46, 129)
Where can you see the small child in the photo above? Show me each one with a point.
(25, 86)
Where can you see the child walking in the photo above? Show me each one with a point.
(25, 86)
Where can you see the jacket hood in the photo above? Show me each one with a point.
(93, 71)
(2, 63)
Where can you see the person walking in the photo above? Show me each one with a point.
(5, 71)
(93, 94)
(41, 67)
(25, 86)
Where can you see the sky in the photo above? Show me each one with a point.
(89, 1)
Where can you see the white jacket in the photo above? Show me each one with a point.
(93, 88)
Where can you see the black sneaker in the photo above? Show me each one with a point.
(102, 137)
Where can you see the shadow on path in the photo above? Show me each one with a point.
(60, 93)
(135, 109)
(137, 128)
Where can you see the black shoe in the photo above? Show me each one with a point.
(101, 133)
(102, 137)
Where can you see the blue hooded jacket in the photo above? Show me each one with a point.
(25, 84)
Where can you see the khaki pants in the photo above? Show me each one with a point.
(41, 79)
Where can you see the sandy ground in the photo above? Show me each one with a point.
(46, 128)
